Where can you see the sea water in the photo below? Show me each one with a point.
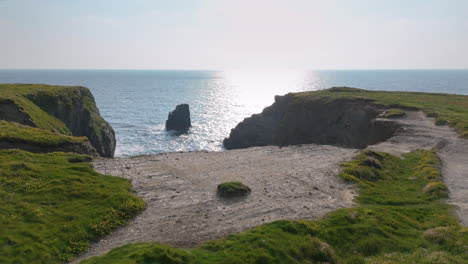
(136, 102)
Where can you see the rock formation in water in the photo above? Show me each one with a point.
(66, 110)
(291, 120)
(179, 119)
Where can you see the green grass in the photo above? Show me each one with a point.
(232, 189)
(16, 133)
(447, 108)
(36, 99)
(395, 221)
(393, 113)
(53, 205)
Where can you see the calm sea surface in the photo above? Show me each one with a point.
(136, 102)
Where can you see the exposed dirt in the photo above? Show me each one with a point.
(297, 182)
(419, 132)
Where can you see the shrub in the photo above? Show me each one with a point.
(438, 189)
(233, 189)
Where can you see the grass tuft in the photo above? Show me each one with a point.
(393, 113)
(365, 166)
(437, 189)
(232, 189)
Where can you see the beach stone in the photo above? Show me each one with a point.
(179, 119)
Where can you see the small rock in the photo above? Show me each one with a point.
(179, 119)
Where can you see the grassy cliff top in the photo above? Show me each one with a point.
(54, 205)
(33, 99)
(16, 133)
(448, 109)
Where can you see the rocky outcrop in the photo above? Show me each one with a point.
(66, 110)
(179, 119)
(342, 122)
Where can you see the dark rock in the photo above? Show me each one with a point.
(179, 119)
(342, 122)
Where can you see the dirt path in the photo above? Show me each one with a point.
(297, 182)
(419, 132)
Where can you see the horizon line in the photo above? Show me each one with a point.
(221, 70)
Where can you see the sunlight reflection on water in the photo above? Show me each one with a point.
(220, 101)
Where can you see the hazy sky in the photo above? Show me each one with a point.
(234, 34)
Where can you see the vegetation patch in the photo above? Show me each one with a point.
(395, 222)
(16, 133)
(54, 205)
(232, 189)
(448, 109)
(437, 189)
(366, 166)
(393, 113)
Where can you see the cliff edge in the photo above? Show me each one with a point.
(70, 111)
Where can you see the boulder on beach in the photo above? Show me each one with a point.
(179, 119)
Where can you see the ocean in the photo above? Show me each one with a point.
(136, 102)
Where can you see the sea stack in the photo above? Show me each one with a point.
(179, 119)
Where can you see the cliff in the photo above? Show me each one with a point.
(343, 122)
(69, 111)
(342, 116)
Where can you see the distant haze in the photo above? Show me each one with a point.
(234, 34)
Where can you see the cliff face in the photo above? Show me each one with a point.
(65, 110)
(342, 122)
(77, 109)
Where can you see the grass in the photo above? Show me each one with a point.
(446, 108)
(393, 113)
(16, 133)
(232, 189)
(395, 221)
(38, 101)
(54, 205)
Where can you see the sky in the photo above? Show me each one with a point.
(234, 34)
